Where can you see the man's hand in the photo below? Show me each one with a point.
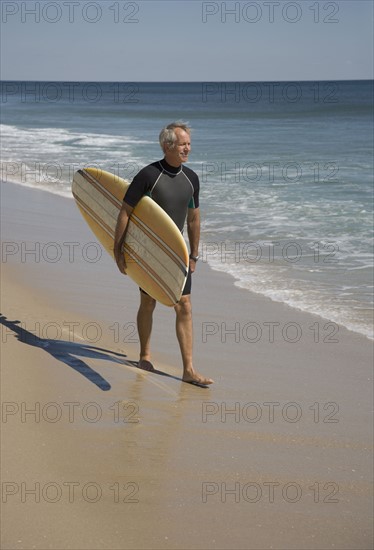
(192, 265)
(193, 231)
(120, 259)
(119, 236)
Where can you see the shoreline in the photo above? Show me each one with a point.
(275, 454)
(235, 279)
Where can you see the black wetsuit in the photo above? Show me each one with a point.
(174, 189)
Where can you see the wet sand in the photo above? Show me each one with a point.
(97, 454)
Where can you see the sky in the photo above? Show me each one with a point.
(178, 40)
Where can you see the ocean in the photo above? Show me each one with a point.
(285, 169)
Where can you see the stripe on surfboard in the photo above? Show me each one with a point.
(102, 206)
(94, 216)
(146, 227)
(168, 270)
(147, 256)
(160, 243)
(147, 268)
(101, 188)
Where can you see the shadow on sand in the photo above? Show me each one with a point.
(69, 353)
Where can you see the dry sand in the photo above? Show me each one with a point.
(97, 454)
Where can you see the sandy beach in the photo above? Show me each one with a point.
(97, 454)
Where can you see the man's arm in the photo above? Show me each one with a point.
(193, 231)
(119, 235)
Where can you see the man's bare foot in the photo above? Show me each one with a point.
(144, 364)
(194, 377)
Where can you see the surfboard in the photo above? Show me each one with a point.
(155, 251)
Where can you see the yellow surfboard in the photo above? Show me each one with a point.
(155, 252)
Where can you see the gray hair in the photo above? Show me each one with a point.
(167, 135)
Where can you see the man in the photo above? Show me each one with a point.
(176, 189)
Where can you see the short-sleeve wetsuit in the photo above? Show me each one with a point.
(174, 189)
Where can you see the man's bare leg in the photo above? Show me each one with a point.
(184, 331)
(144, 322)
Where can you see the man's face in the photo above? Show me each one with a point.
(182, 148)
